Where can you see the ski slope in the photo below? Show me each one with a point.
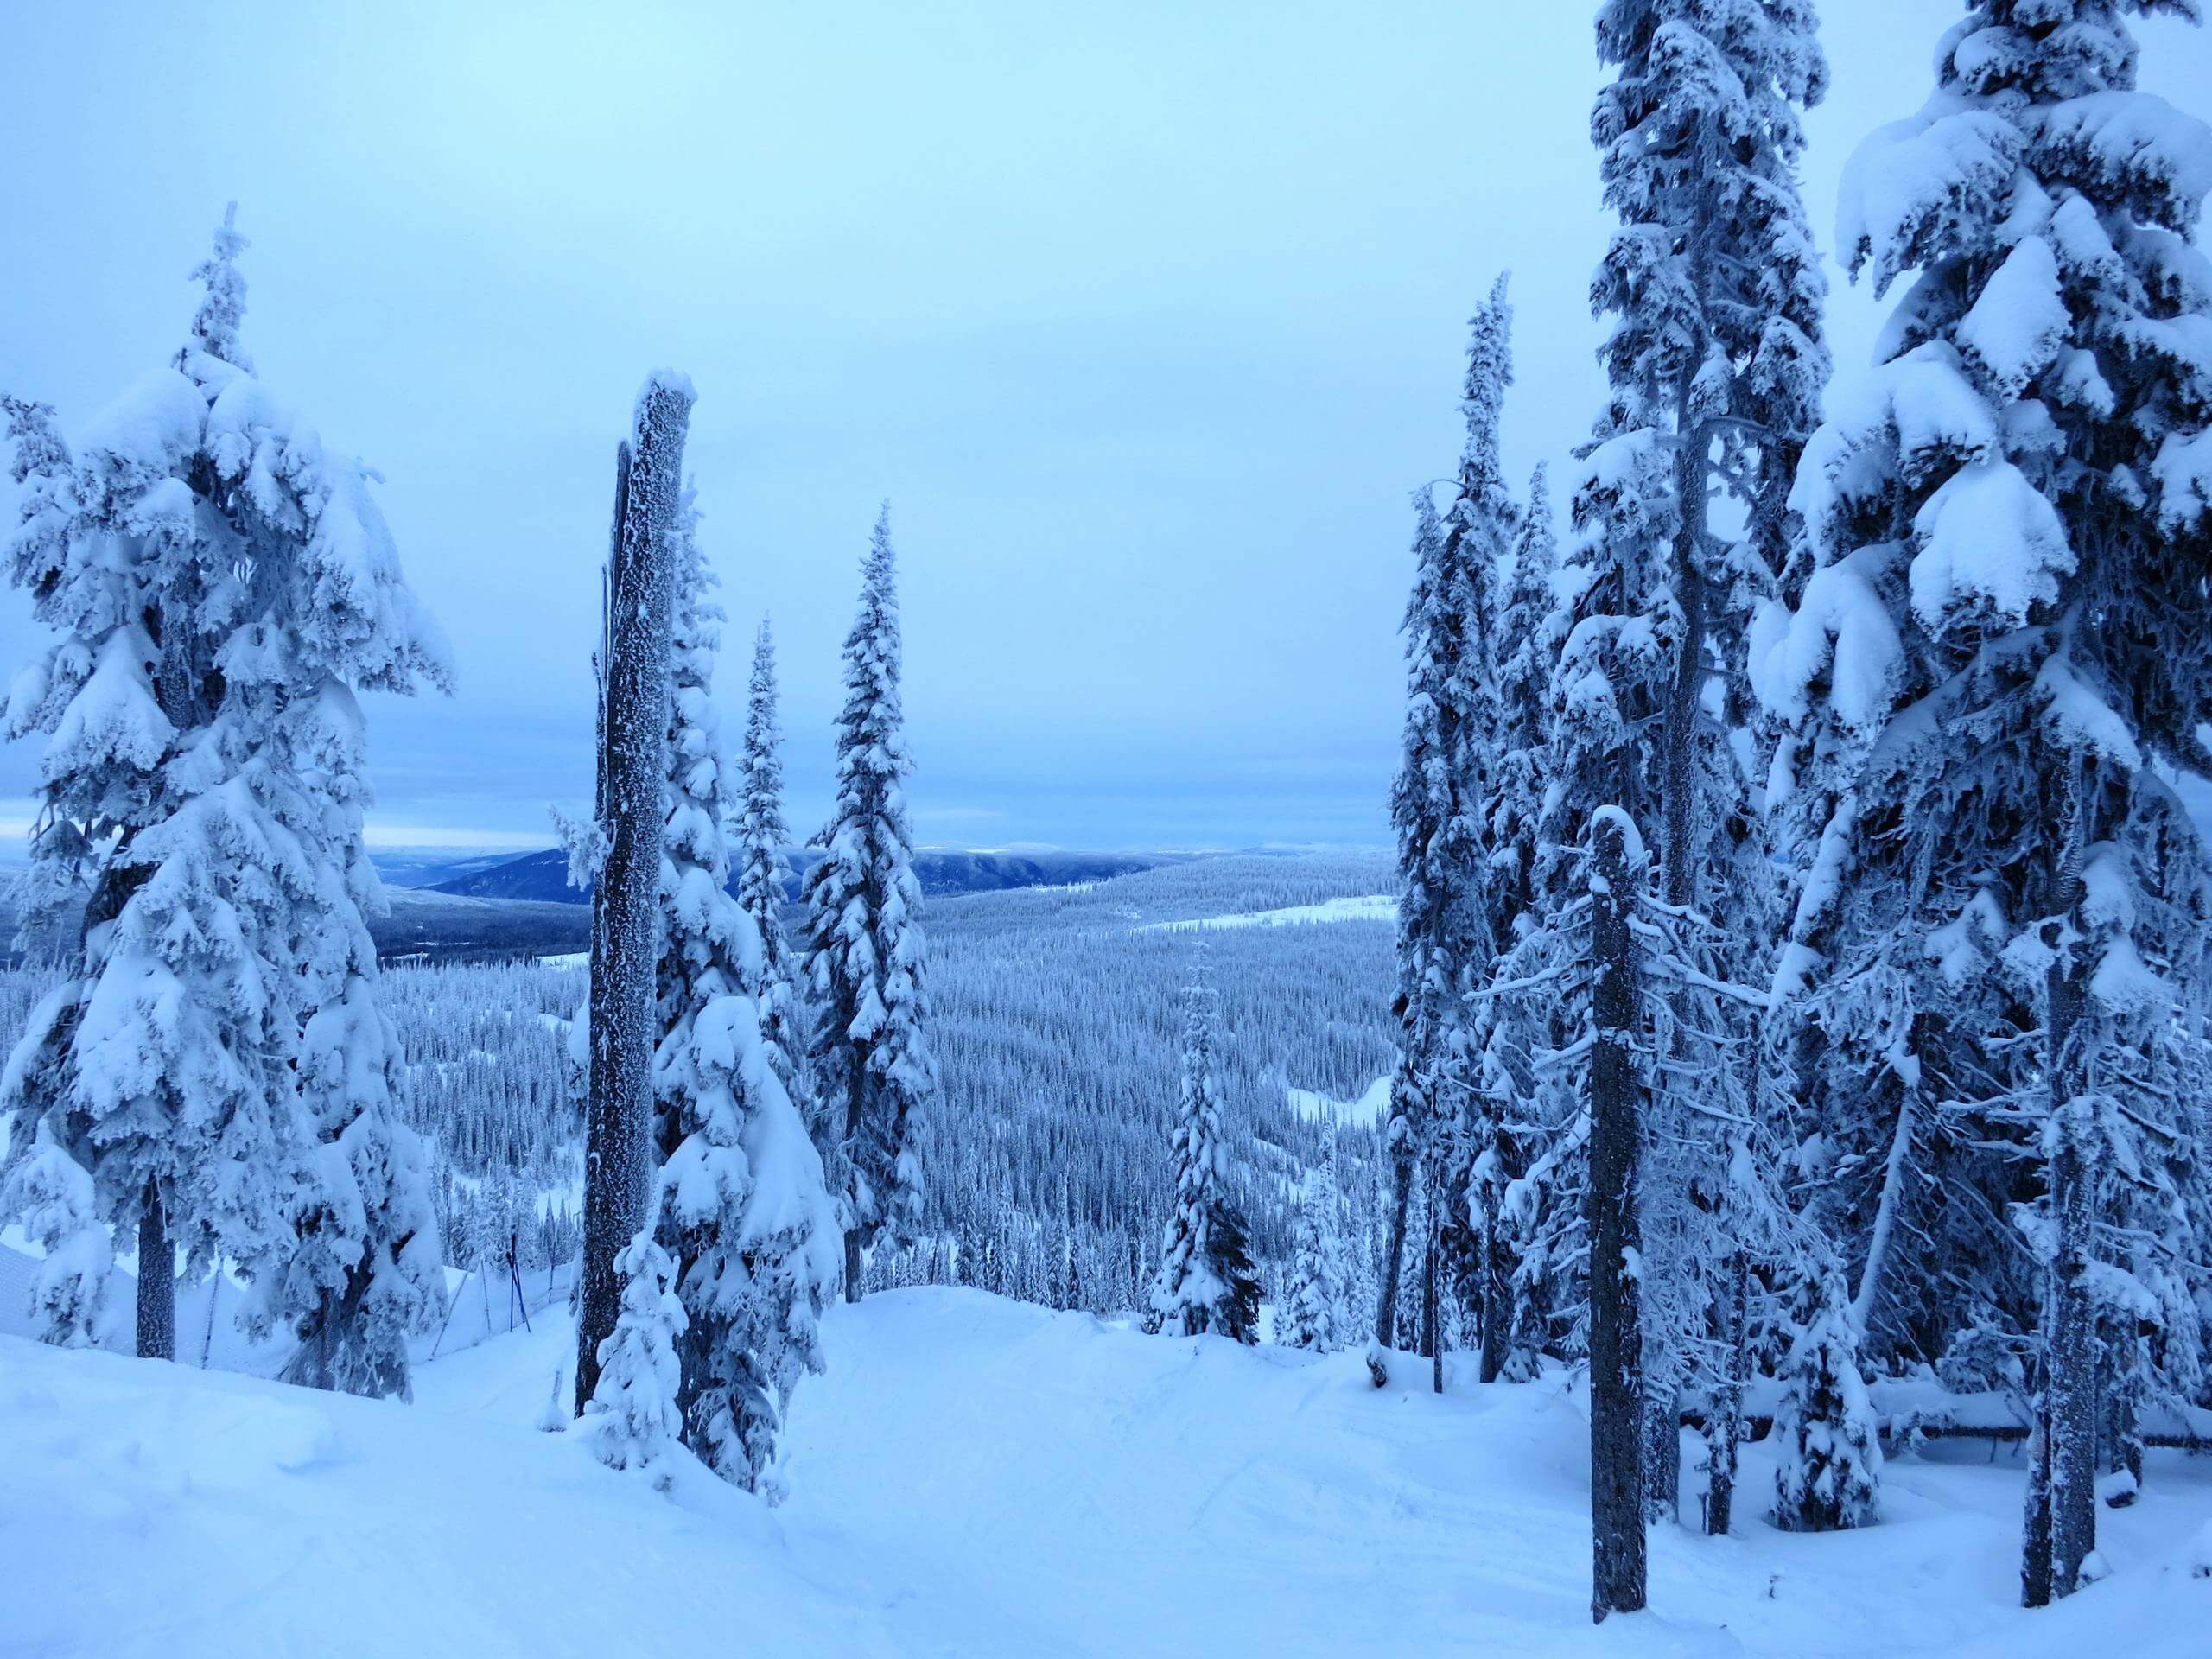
(974, 1476)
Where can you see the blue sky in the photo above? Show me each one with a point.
(1146, 319)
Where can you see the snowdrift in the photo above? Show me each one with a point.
(975, 1476)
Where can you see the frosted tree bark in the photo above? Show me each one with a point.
(2069, 1390)
(156, 1282)
(1681, 823)
(1616, 1323)
(1499, 1260)
(625, 899)
(1386, 1305)
(2070, 1377)
(1724, 1424)
(1432, 1323)
(2034, 1530)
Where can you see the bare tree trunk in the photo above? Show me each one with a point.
(156, 1281)
(857, 1238)
(1386, 1309)
(2070, 1315)
(1432, 1302)
(1498, 1299)
(1615, 1314)
(625, 899)
(2070, 1383)
(1681, 837)
(2034, 1542)
(2125, 1446)
(1724, 1424)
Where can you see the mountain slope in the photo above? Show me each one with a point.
(544, 876)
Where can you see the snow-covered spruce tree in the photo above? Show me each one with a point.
(622, 848)
(1830, 1475)
(865, 953)
(1314, 1301)
(632, 1416)
(1475, 1146)
(1716, 362)
(1988, 668)
(1204, 1281)
(1436, 800)
(764, 885)
(1610, 965)
(745, 1218)
(1505, 1029)
(214, 1071)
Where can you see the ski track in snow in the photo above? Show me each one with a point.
(978, 1478)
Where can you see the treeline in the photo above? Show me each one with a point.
(1802, 952)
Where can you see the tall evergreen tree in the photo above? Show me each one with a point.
(1987, 669)
(1438, 804)
(1524, 1190)
(1716, 359)
(214, 1071)
(865, 955)
(1206, 1280)
(745, 1218)
(764, 879)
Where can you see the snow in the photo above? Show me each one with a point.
(1943, 171)
(1987, 535)
(1371, 1107)
(2133, 137)
(1364, 907)
(2019, 319)
(981, 1478)
(1840, 630)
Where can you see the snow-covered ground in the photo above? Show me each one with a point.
(977, 1477)
(1372, 1106)
(1356, 907)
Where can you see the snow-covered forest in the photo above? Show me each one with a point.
(1722, 1164)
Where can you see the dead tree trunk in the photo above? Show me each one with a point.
(1616, 1313)
(626, 898)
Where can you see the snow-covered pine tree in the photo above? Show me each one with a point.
(624, 846)
(764, 885)
(1314, 1301)
(214, 1069)
(1437, 800)
(1473, 1147)
(866, 954)
(632, 1416)
(1828, 1478)
(1506, 1296)
(1716, 366)
(745, 1218)
(1204, 1281)
(1988, 669)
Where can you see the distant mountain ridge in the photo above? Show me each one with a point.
(543, 877)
